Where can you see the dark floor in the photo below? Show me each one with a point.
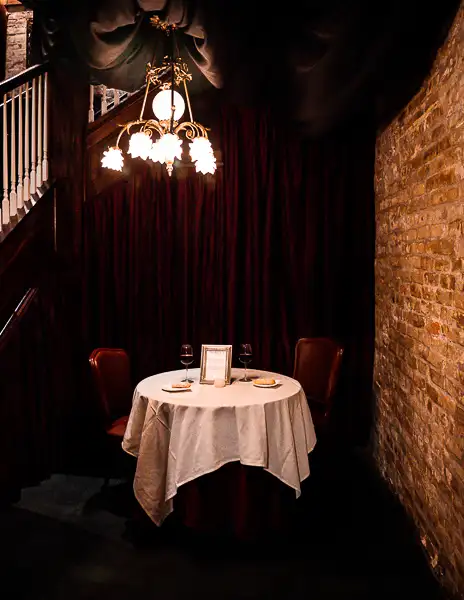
(67, 539)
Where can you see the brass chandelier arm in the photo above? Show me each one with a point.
(152, 124)
(192, 130)
(126, 128)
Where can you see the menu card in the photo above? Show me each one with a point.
(216, 363)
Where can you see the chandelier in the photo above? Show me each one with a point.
(159, 139)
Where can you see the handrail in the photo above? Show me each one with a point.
(107, 124)
(25, 230)
(13, 82)
(18, 313)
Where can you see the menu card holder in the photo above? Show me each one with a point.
(216, 363)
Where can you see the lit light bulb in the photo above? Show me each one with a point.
(140, 145)
(206, 164)
(200, 148)
(162, 106)
(171, 147)
(113, 159)
(157, 152)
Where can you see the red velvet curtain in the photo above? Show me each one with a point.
(277, 245)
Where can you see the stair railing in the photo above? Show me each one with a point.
(25, 143)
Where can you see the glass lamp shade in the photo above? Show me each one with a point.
(157, 152)
(162, 106)
(140, 145)
(170, 146)
(206, 164)
(113, 159)
(200, 148)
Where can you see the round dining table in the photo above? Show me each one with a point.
(178, 437)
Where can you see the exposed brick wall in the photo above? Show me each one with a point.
(16, 41)
(419, 360)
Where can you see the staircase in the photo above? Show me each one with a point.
(24, 115)
(44, 115)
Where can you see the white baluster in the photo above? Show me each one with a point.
(26, 183)
(39, 133)
(91, 109)
(116, 98)
(33, 137)
(19, 188)
(5, 201)
(45, 131)
(13, 211)
(104, 101)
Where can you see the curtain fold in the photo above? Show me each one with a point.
(276, 246)
(332, 62)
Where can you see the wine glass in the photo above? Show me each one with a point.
(186, 358)
(245, 356)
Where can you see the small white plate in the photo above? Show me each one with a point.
(270, 385)
(169, 388)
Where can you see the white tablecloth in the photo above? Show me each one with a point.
(177, 437)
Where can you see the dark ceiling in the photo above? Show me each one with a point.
(319, 63)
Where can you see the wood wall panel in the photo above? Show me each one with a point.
(41, 365)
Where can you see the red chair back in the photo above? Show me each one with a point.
(317, 366)
(111, 372)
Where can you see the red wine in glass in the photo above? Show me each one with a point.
(245, 357)
(186, 358)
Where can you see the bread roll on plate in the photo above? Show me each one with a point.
(265, 381)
